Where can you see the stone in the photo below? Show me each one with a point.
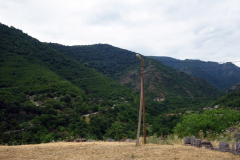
(216, 149)
(128, 140)
(223, 147)
(198, 143)
(236, 147)
(78, 140)
(192, 140)
(207, 145)
(187, 140)
(70, 140)
(110, 140)
(81, 140)
(234, 152)
(90, 140)
(237, 137)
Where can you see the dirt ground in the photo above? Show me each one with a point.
(109, 150)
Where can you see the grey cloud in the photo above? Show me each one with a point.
(104, 18)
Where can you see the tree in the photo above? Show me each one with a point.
(213, 121)
(116, 131)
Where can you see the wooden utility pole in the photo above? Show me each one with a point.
(139, 116)
(142, 105)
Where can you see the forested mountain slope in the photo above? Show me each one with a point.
(230, 100)
(44, 93)
(222, 76)
(234, 88)
(120, 63)
(104, 58)
(161, 82)
(47, 88)
(17, 43)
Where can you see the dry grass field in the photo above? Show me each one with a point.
(109, 150)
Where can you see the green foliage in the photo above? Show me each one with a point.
(44, 93)
(160, 79)
(163, 124)
(180, 91)
(230, 100)
(117, 130)
(104, 58)
(211, 121)
(45, 89)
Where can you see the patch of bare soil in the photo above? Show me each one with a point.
(109, 150)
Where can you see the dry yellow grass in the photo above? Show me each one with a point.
(109, 150)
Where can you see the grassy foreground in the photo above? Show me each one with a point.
(109, 150)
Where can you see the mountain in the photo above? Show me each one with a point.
(166, 89)
(161, 82)
(46, 89)
(45, 93)
(116, 62)
(222, 76)
(104, 58)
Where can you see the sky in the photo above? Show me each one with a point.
(207, 30)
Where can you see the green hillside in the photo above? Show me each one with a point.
(222, 76)
(46, 89)
(167, 90)
(105, 58)
(234, 88)
(230, 100)
(44, 94)
(161, 82)
(16, 42)
(213, 123)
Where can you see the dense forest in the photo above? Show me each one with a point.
(47, 92)
(44, 94)
(161, 82)
(210, 123)
(223, 114)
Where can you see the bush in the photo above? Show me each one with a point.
(211, 121)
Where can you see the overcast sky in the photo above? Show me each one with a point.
(208, 30)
